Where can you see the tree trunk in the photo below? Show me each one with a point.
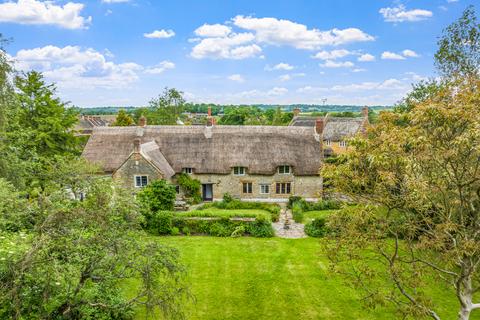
(464, 313)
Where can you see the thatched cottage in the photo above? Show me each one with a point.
(337, 129)
(249, 162)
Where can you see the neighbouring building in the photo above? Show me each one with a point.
(266, 163)
(337, 129)
(86, 124)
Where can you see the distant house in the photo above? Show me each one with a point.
(250, 162)
(86, 124)
(337, 129)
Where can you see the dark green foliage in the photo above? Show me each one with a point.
(191, 187)
(165, 109)
(313, 206)
(159, 223)
(231, 203)
(156, 196)
(15, 213)
(316, 228)
(297, 212)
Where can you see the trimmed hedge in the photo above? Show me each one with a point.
(317, 228)
(167, 223)
(313, 206)
(230, 203)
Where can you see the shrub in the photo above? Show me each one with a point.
(292, 200)
(160, 222)
(191, 187)
(175, 231)
(297, 212)
(261, 228)
(316, 228)
(238, 232)
(156, 196)
(231, 204)
(227, 197)
(186, 231)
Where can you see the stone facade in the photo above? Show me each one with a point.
(136, 165)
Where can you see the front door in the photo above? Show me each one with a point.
(207, 191)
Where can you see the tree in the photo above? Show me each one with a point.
(159, 195)
(123, 119)
(166, 108)
(48, 118)
(458, 55)
(76, 263)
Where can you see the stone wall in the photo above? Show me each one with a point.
(136, 165)
(305, 186)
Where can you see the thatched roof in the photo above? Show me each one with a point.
(151, 152)
(336, 128)
(212, 149)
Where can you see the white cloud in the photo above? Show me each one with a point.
(366, 57)
(359, 70)
(332, 55)
(287, 77)
(387, 55)
(277, 91)
(236, 78)
(213, 30)
(285, 32)
(161, 67)
(44, 13)
(234, 46)
(409, 53)
(115, 1)
(160, 34)
(280, 66)
(401, 14)
(74, 67)
(333, 64)
(452, 1)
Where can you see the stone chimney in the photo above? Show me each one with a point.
(136, 145)
(296, 112)
(209, 112)
(142, 122)
(319, 125)
(365, 112)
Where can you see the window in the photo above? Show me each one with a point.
(177, 189)
(141, 181)
(239, 171)
(284, 169)
(188, 170)
(283, 187)
(264, 189)
(247, 187)
(328, 142)
(343, 143)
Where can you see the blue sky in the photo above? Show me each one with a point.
(121, 53)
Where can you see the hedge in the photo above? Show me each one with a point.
(229, 203)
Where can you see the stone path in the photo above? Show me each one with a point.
(294, 231)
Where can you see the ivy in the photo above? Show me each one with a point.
(191, 187)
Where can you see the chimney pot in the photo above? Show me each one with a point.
(296, 112)
(136, 145)
(209, 111)
(142, 122)
(319, 125)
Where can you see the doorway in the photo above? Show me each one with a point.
(207, 192)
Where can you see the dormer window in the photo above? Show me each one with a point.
(328, 142)
(187, 170)
(239, 171)
(343, 144)
(284, 170)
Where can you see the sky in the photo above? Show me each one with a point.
(124, 52)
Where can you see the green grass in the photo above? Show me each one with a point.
(310, 215)
(251, 278)
(224, 213)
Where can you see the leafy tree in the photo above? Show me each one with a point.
(458, 55)
(159, 195)
(77, 261)
(123, 119)
(48, 118)
(426, 176)
(166, 108)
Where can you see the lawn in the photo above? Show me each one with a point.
(310, 215)
(251, 278)
(224, 213)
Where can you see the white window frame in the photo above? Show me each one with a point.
(284, 169)
(343, 143)
(264, 186)
(187, 170)
(328, 142)
(141, 182)
(240, 171)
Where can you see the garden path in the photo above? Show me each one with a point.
(295, 229)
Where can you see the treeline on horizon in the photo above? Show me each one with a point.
(219, 109)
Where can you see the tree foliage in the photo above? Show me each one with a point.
(158, 195)
(123, 119)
